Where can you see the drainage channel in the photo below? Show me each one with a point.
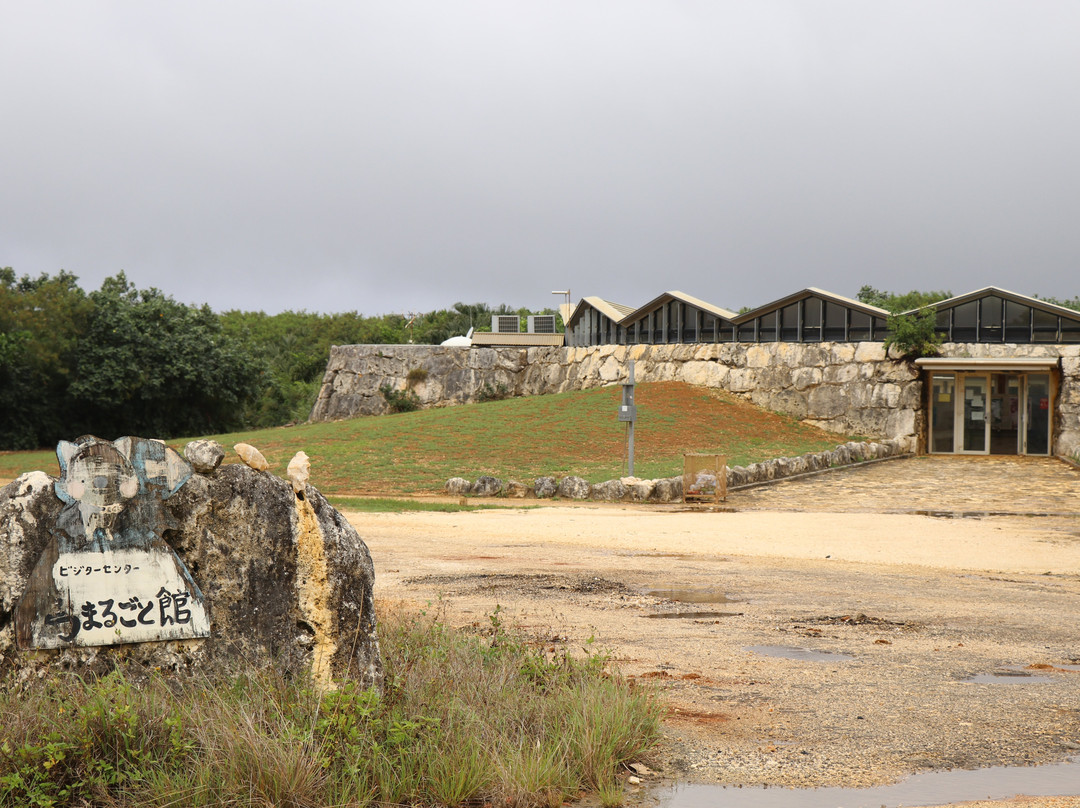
(928, 788)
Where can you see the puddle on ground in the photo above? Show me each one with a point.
(690, 595)
(929, 788)
(1015, 676)
(796, 653)
(692, 615)
(982, 514)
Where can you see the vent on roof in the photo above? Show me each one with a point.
(505, 323)
(542, 324)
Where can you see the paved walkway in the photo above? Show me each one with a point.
(935, 485)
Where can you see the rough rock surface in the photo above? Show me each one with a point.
(572, 487)
(517, 490)
(204, 455)
(545, 487)
(287, 581)
(458, 487)
(487, 487)
(251, 456)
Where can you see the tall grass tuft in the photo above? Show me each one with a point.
(464, 717)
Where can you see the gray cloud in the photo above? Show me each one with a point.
(405, 155)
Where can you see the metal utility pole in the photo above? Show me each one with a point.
(628, 413)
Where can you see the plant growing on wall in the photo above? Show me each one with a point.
(914, 335)
(400, 400)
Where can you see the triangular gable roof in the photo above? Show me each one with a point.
(685, 298)
(996, 291)
(812, 291)
(614, 311)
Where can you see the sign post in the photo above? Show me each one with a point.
(628, 413)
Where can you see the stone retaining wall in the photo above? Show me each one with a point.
(670, 489)
(848, 388)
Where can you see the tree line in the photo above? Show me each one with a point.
(120, 360)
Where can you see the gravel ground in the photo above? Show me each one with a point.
(900, 643)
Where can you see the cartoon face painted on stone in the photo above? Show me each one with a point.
(109, 576)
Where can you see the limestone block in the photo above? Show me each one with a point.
(458, 487)
(840, 374)
(610, 491)
(572, 487)
(900, 423)
(517, 490)
(204, 455)
(758, 356)
(802, 378)
(870, 352)
(486, 486)
(885, 395)
(826, 402)
(814, 355)
(611, 370)
(545, 487)
(640, 490)
(668, 490)
(841, 353)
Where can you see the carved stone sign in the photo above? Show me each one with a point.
(108, 576)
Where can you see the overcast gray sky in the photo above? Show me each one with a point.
(401, 156)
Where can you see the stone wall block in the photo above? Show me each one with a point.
(870, 352)
(841, 353)
(826, 402)
(840, 374)
(759, 356)
(900, 423)
(802, 378)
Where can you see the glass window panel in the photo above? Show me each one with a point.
(690, 324)
(1045, 326)
(943, 321)
(835, 322)
(990, 319)
(965, 318)
(1038, 412)
(860, 326)
(789, 323)
(942, 413)
(975, 407)
(1070, 329)
(811, 319)
(881, 327)
(767, 327)
(1017, 322)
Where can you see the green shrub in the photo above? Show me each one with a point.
(914, 335)
(493, 392)
(400, 400)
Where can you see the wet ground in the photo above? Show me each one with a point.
(936, 485)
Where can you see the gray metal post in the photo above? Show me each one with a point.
(630, 433)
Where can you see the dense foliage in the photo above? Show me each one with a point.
(896, 302)
(121, 360)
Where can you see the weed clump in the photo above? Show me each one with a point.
(399, 400)
(464, 717)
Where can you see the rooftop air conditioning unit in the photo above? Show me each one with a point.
(505, 323)
(542, 324)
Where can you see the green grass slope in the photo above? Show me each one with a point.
(519, 438)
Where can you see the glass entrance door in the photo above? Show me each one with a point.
(975, 424)
(1037, 412)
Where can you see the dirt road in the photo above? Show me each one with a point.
(795, 648)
